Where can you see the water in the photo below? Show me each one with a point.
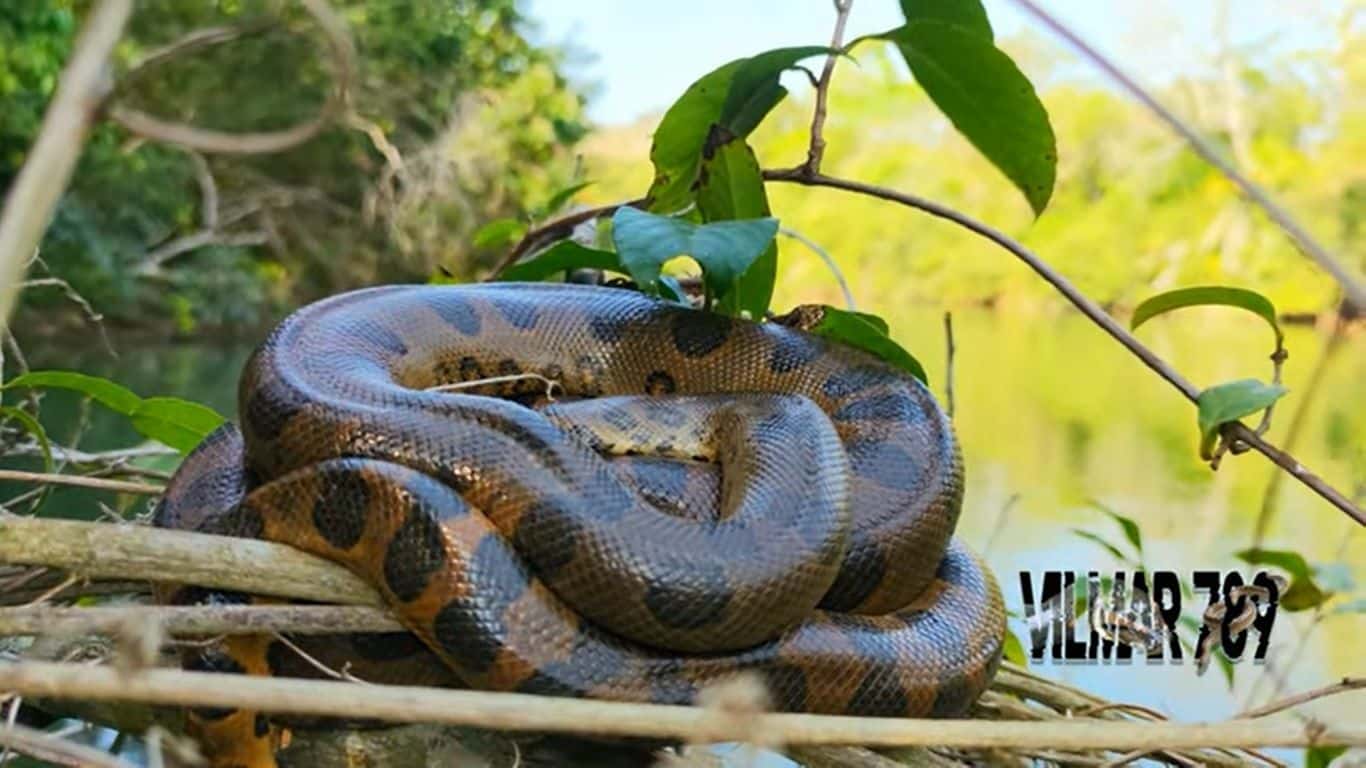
(1053, 417)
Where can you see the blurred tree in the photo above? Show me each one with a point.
(481, 119)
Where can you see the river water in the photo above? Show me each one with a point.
(1056, 421)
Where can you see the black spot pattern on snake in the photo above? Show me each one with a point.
(508, 367)
(260, 725)
(340, 511)
(218, 662)
(893, 407)
(791, 352)
(606, 329)
(864, 568)
(243, 520)
(953, 696)
(692, 603)
(700, 335)
(470, 369)
(469, 627)
(881, 692)
(886, 464)
(672, 686)
(850, 381)
(414, 553)
(520, 314)
(386, 646)
(270, 408)
(660, 383)
(786, 683)
(279, 657)
(546, 537)
(458, 314)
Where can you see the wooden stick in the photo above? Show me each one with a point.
(80, 481)
(199, 619)
(523, 712)
(55, 751)
(103, 550)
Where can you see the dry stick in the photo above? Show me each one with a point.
(523, 712)
(199, 620)
(81, 481)
(556, 230)
(1341, 686)
(948, 362)
(1086, 306)
(816, 152)
(46, 747)
(102, 550)
(40, 183)
(1354, 289)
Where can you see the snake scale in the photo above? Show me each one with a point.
(702, 495)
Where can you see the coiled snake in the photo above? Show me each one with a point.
(706, 495)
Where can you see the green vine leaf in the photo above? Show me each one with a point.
(981, 91)
(1322, 757)
(1228, 402)
(736, 96)
(1208, 295)
(561, 257)
(724, 249)
(967, 15)
(499, 233)
(1013, 650)
(857, 330)
(1304, 592)
(731, 186)
(181, 424)
(33, 427)
(1131, 529)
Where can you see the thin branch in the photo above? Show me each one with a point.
(55, 751)
(1341, 686)
(556, 230)
(949, 350)
(1091, 310)
(34, 194)
(193, 41)
(199, 620)
(1355, 290)
(527, 713)
(816, 152)
(829, 263)
(80, 481)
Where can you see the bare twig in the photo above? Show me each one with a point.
(1341, 686)
(1351, 284)
(200, 620)
(1087, 307)
(80, 481)
(949, 349)
(54, 750)
(555, 230)
(40, 183)
(816, 152)
(829, 263)
(522, 712)
(193, 41)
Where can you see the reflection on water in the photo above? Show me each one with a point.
(1053, 418)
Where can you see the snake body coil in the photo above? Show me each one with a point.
(705, 496)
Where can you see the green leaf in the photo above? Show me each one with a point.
(558, 199)
(732, 187)
(1208, 295)
(1322, 757)
(754, 89)
(856, 330)
(1098, 539)
(1013, 650)
(724, 249)
(178, 423)
(34, 428)
(113, 396)
(1228, 402)
(499, 233)
(560, 257)
(1131, 530)
(986, 97)
(967, 15)
(1303, 592)
(736, 95)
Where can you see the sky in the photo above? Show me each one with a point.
(640, 54)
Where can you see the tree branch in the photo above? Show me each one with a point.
(556, 230)
(550, 714)
(816, 152)
(1088, 308)
(1351, 285)
(80, 481)
(187, 621)
(34, 194)
(1341, 686)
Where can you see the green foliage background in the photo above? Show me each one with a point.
(483, 119)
